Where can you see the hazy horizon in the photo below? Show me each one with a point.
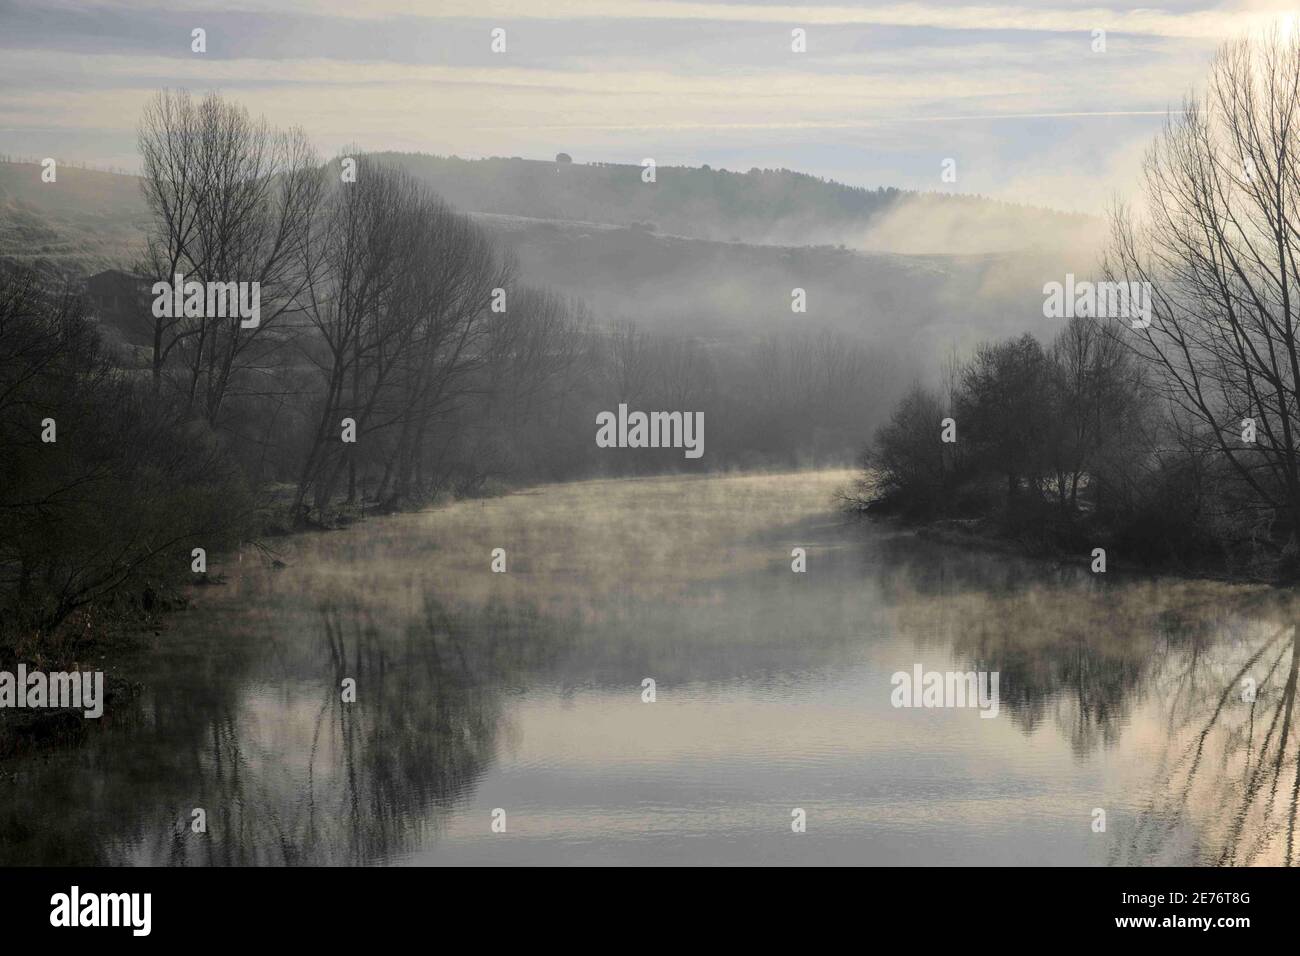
(1014, 94)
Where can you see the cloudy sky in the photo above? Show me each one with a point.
(885, 92)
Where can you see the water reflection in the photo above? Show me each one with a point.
(522, 691)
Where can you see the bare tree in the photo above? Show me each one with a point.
(458, 276)
(117, 501)
(1003, 412)
(628, 364)
(540, 354)
(1218, 244)
(402, 287)
(1094, 386)
(232, 200)
(361, 268)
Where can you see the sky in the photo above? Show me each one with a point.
(1014, 93)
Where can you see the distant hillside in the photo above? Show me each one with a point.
(770, 206)
(906, 304)
(83, 222)
(651, 254)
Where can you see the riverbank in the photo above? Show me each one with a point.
(987, 535)
(93, 640)
(113, 636)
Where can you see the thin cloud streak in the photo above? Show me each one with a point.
(1205, 24)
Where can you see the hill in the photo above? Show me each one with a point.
(653, 254)
(81, 223)
(761, 206)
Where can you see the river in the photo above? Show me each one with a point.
(502, 717)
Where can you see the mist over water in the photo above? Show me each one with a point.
(523, 691)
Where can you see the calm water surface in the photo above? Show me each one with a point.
(522, 691)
